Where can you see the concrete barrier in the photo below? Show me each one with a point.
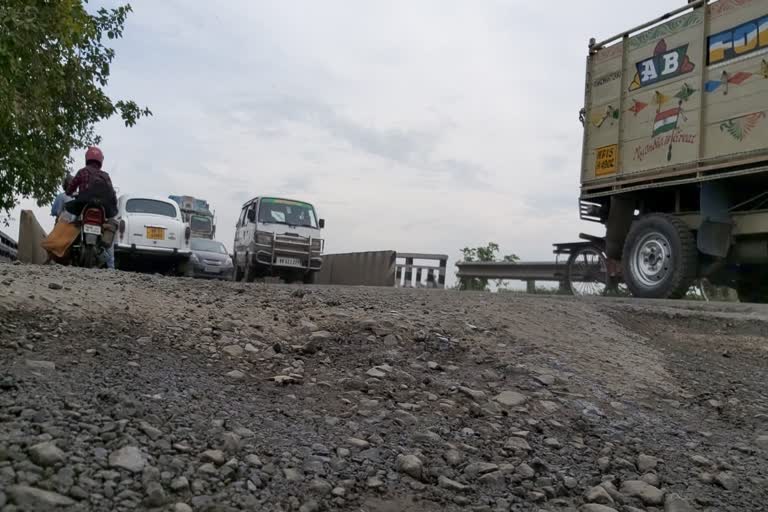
(375, 268)
(31, 236)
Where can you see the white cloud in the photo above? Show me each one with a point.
(417, 126)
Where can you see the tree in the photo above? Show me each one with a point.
(486, 253)
(54, 66)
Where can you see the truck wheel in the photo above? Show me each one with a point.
(660, 258)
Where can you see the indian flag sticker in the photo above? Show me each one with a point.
(666, 121)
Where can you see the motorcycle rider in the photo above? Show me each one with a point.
(92, 183)
(61, 199)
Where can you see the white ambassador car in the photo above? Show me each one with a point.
(151, 230)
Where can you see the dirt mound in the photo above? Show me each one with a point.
(131, 392)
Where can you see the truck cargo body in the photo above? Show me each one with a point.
(676, 126)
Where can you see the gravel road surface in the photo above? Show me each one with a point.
(134, 392)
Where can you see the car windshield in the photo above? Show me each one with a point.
(199, 223)
(150, 206)
(203, 245)
(282, 211)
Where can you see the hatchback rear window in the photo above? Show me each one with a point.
(150, 206)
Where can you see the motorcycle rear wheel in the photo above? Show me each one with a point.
(88, 256)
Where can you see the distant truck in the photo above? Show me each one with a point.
(278, 237)
(675, 150)
(197, 214)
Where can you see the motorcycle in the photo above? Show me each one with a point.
(95, 237)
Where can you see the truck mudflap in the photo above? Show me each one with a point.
(291, 251)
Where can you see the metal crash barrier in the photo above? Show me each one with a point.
(409, 266)
(529, 272)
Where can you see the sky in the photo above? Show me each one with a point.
(417, 126)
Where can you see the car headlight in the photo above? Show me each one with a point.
(228, 263)
(193, 258)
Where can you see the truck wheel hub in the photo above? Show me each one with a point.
(650, 259)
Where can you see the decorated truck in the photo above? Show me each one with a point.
(675, 154)
(197, 214)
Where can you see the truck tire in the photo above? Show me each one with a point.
(660, 259)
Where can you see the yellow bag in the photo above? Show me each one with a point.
(58, 241)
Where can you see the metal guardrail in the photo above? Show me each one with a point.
(8, 248)
(435, 274)
(530, 272)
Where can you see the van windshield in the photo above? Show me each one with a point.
(282, 211)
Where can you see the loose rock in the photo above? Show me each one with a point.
(32, 498)
(510, 398)
(411, 465)
(647, 493)
(129, 458)
(46, 454)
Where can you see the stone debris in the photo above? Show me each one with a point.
(129, 458)
(147, 392)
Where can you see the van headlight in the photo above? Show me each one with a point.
(264, 238)
(228, 262)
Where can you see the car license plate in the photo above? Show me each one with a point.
(212, 270)
(156, 233)
(91, 229)
(288, 262)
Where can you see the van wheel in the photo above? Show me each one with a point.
(237, 274)
(660, 258)
(249, 275)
